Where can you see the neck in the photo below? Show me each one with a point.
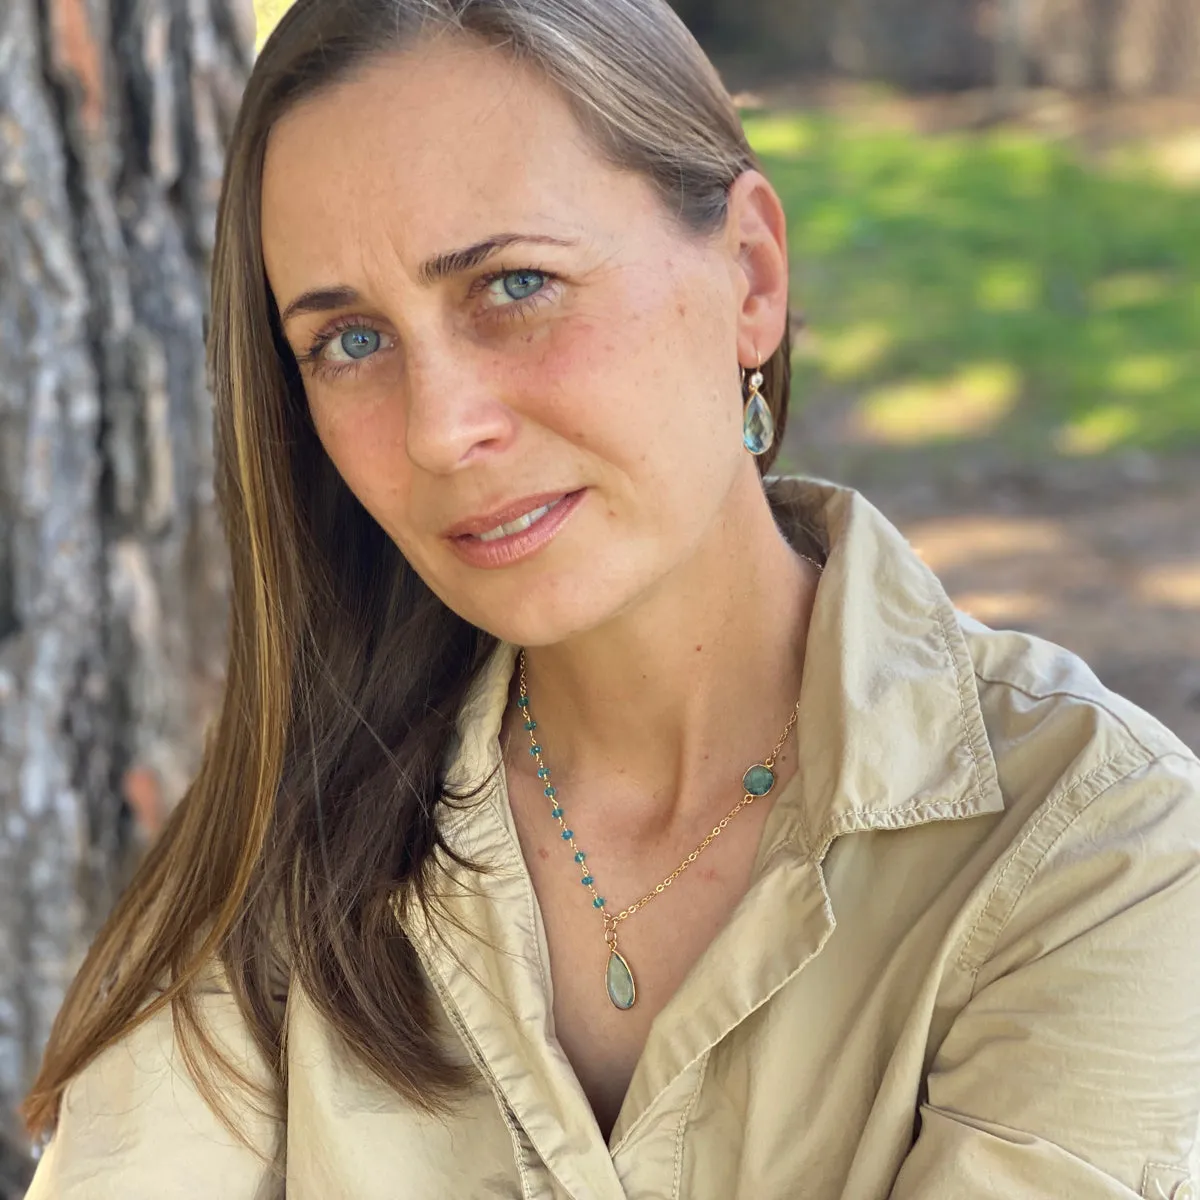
(691, 686)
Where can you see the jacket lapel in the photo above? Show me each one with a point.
(487, 958)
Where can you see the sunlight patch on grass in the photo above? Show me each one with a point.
(1009, 287)
(1145, 374)
(968, 404)
(1098, 431)
(1179, 159)
(784, 134)
(850, 354)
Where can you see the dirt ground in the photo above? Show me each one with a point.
(1102, 557)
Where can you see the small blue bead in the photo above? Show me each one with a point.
(568, 834)
(580, 856)
(535, 749)
(587, 881)
(543, 772)
(523, 701)
(530, 725)
(598, 902)
(551, 792)
(556, 813)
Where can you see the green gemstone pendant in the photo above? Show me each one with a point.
(622, 991)
(759, 780)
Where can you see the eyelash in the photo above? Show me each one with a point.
(516, 310)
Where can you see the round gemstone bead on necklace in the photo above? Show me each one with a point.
(759, 780)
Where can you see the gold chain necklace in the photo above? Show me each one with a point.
(757, 781)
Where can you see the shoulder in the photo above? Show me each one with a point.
(1101, 799)
(1071, 1052)
(1023, 676)
(141, 1118)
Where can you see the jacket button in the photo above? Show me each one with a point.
(1184, 1191)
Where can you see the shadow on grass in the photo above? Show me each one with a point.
(988, 288)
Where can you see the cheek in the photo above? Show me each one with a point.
(620, 365)
(646, 382)
(365, 443)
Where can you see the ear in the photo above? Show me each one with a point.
(756, 237)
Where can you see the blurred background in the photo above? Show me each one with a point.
(995, 236)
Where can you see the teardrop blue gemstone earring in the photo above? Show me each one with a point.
(758, 426)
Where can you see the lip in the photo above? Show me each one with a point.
(474, 526)
(505, 551)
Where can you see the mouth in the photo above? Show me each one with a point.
(512, 534)
(509, 520)
(508, 528)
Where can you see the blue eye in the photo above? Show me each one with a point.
(519, 284)
(357, 343)
(515, 285)
(354, 344)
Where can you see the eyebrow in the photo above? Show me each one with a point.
(457, 261)
(441, 266)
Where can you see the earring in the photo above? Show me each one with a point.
(758, 426)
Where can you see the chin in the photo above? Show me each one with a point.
(543, 625)
(551, 611)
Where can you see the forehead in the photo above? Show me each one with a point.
(436, 147)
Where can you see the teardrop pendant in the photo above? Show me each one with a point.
(758, 426)
(622, 991)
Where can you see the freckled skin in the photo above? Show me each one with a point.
(601, 385)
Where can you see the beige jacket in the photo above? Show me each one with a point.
(968, 966)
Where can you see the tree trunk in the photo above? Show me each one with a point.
(1122, 46)
(1010, 58)
(113, 117)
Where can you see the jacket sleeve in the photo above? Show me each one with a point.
(1073, 1071)
(134, 1126)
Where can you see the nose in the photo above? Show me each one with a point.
(456, 413)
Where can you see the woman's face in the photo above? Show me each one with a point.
(491, 320)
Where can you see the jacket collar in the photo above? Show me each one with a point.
(891, 732)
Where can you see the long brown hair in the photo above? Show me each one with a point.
(318, 798)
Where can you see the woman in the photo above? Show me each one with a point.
(585, 819)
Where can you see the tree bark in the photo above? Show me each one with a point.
(113, 119)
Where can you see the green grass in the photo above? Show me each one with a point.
(991, 287)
